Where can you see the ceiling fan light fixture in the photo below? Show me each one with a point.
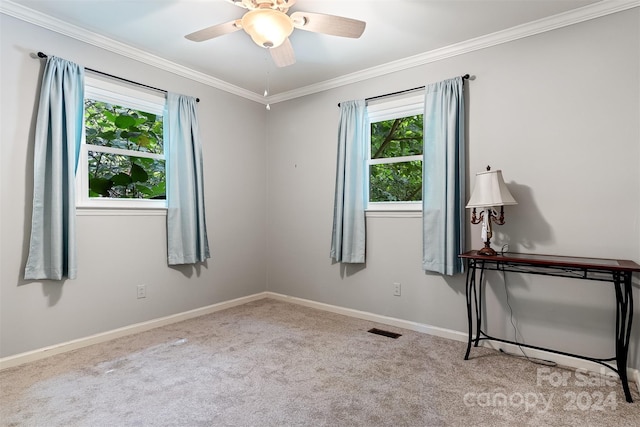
(267, 27)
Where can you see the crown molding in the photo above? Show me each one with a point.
(592, 11)
(585, 13)
(15, 10)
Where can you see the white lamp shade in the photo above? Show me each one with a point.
(490, 190)
(267, 27)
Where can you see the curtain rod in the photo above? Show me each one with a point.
(465, 77)
(44, 55)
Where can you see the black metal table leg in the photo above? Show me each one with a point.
(624, 316)
(477, 294)
(469, 289)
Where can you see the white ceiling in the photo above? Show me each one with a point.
(399, 34)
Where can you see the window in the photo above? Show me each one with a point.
(122, 161)
(394, 164)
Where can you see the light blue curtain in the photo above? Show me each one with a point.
(59, 123)
(187, 241)
(443, 189)
(348, 236)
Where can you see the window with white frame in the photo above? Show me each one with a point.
(394, 163)
(122, 160)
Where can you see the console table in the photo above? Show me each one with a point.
(618, 272)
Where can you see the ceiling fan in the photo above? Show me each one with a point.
(269, 26)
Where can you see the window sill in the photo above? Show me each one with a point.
(377, 213)
(120, 211)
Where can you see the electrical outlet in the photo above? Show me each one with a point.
(142, 291)
(397, 288)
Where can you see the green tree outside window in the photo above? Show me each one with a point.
(118, 172)
(395, 180)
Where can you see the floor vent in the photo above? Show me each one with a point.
(384, 333)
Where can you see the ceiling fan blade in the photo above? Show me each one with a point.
(214, 31)
(283, 55)
(328, 24)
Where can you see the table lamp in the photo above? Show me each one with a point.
(489, 191)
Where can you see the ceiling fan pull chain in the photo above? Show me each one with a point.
(266, 86)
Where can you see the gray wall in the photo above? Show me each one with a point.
(116, 253)
(559, 114)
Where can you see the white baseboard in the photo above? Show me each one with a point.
(41, 353)
(572, 362)
(385, 320)
(30, 356)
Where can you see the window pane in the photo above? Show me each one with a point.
(396, 182)
(110, 125)
(397, 137)
(125, 177)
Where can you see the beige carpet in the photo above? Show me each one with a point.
(270, 363)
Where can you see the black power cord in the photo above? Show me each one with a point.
(515, 328)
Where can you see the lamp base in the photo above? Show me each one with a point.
(487, 251)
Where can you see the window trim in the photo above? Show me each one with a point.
(380, 110)
(131, 97)
(120, 211)
(393, 214)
